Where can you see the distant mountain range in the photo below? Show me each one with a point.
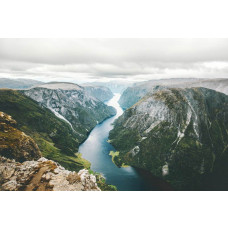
(19, 83)
(134, 93)
(114, 86)
(102, 93)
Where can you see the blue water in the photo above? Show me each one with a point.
(96, 149)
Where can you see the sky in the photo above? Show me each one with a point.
(88, 60)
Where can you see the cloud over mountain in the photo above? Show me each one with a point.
(104, 59)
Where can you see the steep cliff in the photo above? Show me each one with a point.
(179, 135)
(102, 93)
(72, 104)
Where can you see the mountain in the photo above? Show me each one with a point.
(55, 137)
(180, 135)
(134, 93)
(114, 86)
(61, 85)
(102, 93)
(71, 103)
(19, 83)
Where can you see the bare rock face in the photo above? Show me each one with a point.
(73, 104)
(14, 143)
(43, 175)
(102, 93)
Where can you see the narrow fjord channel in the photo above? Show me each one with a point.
(96, 150)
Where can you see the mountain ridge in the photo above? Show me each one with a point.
(178, 134)
(134, 93)
(19, 83)
(72, 104)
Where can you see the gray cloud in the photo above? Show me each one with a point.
(131, 59)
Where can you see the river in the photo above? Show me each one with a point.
(96, 150)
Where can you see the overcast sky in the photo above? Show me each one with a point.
(81, 60)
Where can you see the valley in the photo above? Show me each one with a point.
(124, 178)
(152, 136)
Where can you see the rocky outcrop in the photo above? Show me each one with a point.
(72, 104)
(43, 175)
(177, 134)
(14, 143)
(102, 93)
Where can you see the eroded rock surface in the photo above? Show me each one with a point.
(43, 175)
(72, 103)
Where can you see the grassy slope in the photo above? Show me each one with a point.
(54, 137)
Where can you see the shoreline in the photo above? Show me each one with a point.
(88, 133)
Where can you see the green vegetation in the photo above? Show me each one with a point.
(83, 113)
(55, 138)
(14, 144)
(123, 137)
(102, 183)
(103, 186)
(116, 159)
(198, 159)
(114, 154)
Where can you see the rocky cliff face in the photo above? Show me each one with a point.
(133, 94)
(23, 168)
(72, 104)
(179, 135)
(43, 175)
(102, 93)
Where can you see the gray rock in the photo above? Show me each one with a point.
(72, 104)
(40, 175)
